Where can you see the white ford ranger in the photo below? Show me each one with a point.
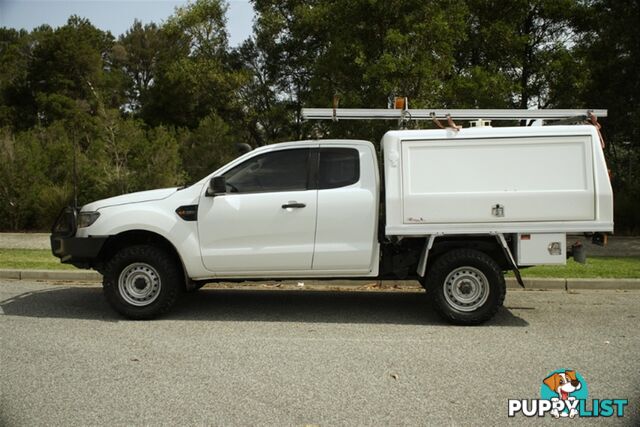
(457, 210)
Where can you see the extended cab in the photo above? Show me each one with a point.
(459, 209)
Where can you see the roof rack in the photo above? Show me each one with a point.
(464, 114)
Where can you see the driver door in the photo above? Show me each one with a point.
(266, 221)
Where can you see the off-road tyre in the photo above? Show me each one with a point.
(460, 271)
(156, 270)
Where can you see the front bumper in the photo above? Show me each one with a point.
(79, 251)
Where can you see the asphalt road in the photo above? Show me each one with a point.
(229, 357)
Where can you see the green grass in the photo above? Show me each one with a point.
(31, 259)
(605, 267)
(601, 267)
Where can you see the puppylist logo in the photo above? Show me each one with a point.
(563, 394)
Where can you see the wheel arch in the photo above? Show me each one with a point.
(139, 237)
(488, 245)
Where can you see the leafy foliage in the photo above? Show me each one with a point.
(609, 47)
(167, 103)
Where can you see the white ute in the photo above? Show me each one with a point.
(460, 207)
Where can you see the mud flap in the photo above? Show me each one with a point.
(507, 253)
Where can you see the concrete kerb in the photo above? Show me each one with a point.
(606, 284)
(66, 275)
(10, 274)
(557, 284)
(530, 283)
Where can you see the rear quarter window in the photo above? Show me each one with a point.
(338, 167)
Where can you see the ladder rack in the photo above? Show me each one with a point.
(467, 114)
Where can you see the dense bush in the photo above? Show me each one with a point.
(162, 105)
(37, 167)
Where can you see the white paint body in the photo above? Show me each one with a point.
(251, 235)
(541, 248)
(548, 180)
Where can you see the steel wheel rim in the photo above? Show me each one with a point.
(466, 289)
(139, 284)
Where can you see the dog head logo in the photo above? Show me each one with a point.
(563, 383)
(567, 387)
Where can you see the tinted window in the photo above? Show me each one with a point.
(284, 170)
(339, 167)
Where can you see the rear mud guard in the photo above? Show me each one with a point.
(509, 256)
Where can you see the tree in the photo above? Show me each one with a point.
(138, 52)
(208, 147)
(71, 65)
(266, 113)
(16, 100)
(194, 77)
(363, 51)
(169, 102)
(609, 47)
(512, 53)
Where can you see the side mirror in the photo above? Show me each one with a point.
(217, 186)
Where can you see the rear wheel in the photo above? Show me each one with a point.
(142, 282)
(467, 286)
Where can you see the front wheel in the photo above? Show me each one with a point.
(467, 286)
(142, 282)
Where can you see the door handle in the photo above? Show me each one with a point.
(293, 205)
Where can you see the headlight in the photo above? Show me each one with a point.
(85, 219)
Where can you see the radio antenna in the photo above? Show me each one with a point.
(75, 172)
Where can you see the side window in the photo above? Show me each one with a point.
(338, 167)
(285, 170)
